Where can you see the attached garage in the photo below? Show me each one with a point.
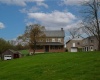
(74, 49)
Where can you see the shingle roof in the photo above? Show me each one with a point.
(90, 37)
(55, 33)
(14, 51)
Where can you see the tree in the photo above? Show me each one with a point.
(74, 32)
(91, 23)
(34, 33)
(4, 45)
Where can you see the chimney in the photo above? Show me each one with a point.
(61, 29)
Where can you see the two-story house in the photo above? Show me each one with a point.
(75, 44)
(90, 44)
(54, 42)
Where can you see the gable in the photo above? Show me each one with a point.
(78, 38)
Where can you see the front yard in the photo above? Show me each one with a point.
(53, 66)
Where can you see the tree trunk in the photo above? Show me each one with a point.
(34, 48)
(33, 51)
(99, 45)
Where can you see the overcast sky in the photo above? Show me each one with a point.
(53, 14)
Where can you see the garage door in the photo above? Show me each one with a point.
(73, 49)
(7, 57)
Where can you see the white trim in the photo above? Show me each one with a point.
(53, 39)
(7, 57)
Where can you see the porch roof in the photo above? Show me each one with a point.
(49, 43)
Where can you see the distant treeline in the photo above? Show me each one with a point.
(5, 45)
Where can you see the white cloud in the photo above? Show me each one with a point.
(32, 9)
(75, 24)
(23, 2)
(42, 4)
(1, 25)
(73, 2)
(14, 2)
(53, 20)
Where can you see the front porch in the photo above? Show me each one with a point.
(49, 47)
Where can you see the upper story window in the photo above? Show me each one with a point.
(92, 41)
(78, 43)
(73, 45)
(83, 42)
(86, 41)
(59, 40)
(41, 40)
(47, 40)
(53, 40)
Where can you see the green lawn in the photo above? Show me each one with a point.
(54, 66)
(24, 52)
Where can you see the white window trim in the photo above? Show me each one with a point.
(59, 39)
(53, 39)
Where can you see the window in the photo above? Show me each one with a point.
(41, 40)
(91, 48)
(59, 40)
(39, 47)
(56, 47)
(53, 40)
(78, 43)
(47, 40)
(52, 47)
(7, 55)
(83, 42)
(92, 41)
(73, 44)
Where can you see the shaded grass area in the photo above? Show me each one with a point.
(53, 66)
(24, 52)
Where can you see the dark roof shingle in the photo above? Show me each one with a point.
(55, 33)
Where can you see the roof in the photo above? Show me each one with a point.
(14, 51)
(49, 43)
(68, 41)
(55, 33)
(90, 37)
(77, 38)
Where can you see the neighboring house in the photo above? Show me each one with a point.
(74, 45)
(90, 44)
(10, 54)
(54, 42)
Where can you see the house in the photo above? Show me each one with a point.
(75, 44)
(54, 42)
(90, 44)
(10, 54)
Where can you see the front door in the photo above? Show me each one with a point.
(46, 48)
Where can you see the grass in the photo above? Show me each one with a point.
(54, 66)
(24, 52)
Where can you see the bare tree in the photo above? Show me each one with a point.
(74, 32)
(91, 23)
